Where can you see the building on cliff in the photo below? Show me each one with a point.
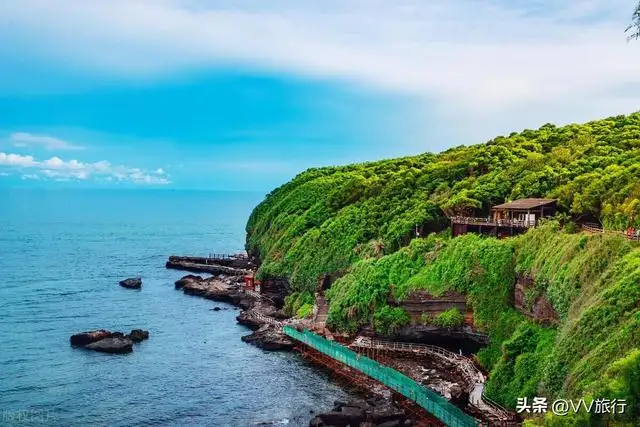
(507, 219)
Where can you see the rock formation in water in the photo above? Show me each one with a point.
(105, 341)
(133, 283)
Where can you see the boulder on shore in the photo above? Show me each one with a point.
(189, 278)
(267, 338)
(133, 283)
(375, 412)
(245, 318)
(213, 289)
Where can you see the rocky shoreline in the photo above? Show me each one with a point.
(262, 316)
(372, 412)
(256, 312)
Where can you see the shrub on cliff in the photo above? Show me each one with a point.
(371, 282)
(451, 318)
(388, 320)
(297, 303)
(305, 310)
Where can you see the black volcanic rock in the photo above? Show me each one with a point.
(269, 339)
(84, 338)
(133, 283)
(108, 342)
(375, 412)
(189, 278)
(138, 335)
(245, 318)
(117, 345)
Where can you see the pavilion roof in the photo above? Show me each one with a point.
(525, 204)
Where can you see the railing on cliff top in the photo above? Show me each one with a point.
(472, 374)
(259, 296)
(493, 223)
(596, 228)
(256, 315)
(432, 402)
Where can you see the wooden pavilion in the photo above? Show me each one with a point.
(507, 219)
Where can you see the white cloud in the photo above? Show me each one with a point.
(23, 139)
(17, 160)
(54, 162)
(30, 176)
(530, 62)
(58, 169)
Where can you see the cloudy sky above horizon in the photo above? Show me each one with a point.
(244, 94)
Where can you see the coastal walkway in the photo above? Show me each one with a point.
(264, 319)
(258, 296)
(320, 311)
(429, 400)
(474, 378)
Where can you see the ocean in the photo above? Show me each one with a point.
(62, 254)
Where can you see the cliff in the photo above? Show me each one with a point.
(371, 233)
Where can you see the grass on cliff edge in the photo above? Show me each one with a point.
(592, 281)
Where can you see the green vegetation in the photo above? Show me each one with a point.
(326, 219)
(298, 304)
(359, 223)
(451, 318)
(389, 319)
(591, 281)
(304, 311)
(426, 319)
(369, 284)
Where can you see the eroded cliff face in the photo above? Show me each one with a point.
(421, 303)
(531, 302)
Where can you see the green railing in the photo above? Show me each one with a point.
(432, 402)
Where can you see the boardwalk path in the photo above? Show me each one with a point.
(475, 378)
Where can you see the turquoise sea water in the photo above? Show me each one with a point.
(62, 253)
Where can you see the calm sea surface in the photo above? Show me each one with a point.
(62, 253)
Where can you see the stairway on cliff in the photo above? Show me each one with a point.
(321, 311)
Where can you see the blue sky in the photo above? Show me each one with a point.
(240, 95)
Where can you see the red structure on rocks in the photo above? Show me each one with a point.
(251, 283)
